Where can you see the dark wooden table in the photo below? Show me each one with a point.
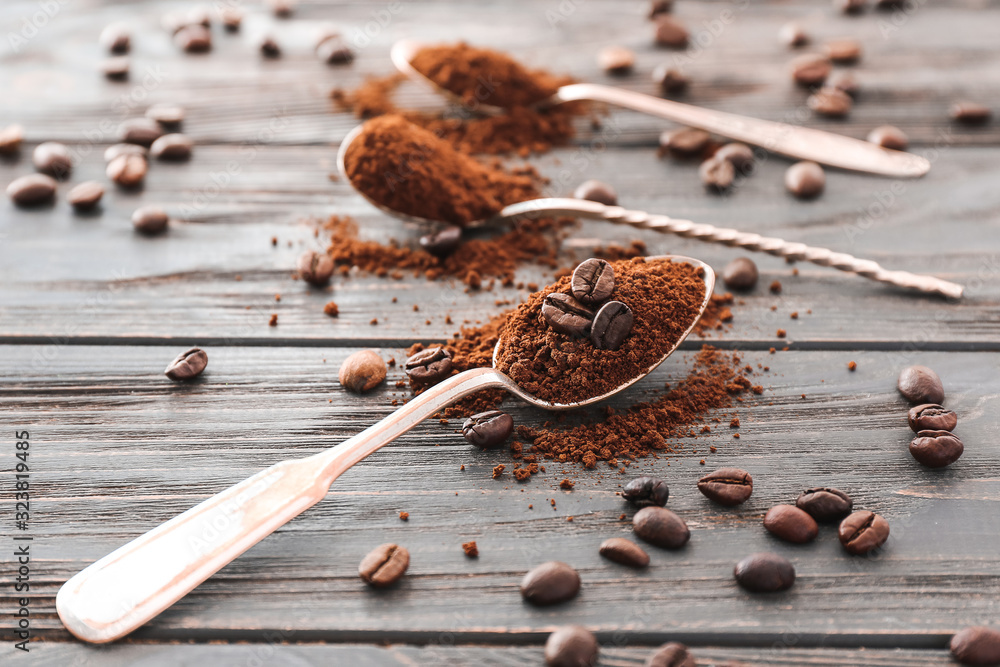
(90, 314)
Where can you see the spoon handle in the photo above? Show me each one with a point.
(733, 237)
(131, 585)
(802, 143)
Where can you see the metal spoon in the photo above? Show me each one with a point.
(801, 143)
(134, 583)
(555, 206)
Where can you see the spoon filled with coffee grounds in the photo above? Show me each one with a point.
(409, 173)
(618, 321)
(489, 81)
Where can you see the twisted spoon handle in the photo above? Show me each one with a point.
(732, 237)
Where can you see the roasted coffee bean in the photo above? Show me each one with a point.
(789, 523)
(740, 274)
(442, 242)
(282, 8)
(174, 21)
(843, 51)
(150, 220)
(53, 158)
(488, 429)
(659, 7)
(673, 654)
(844, 82)
(936, 449)
(167, 115)
(616, 60)
(739, 155)
(888, 136)
(32, 190)
(550, 583)
(970, 113)
(660, 527)
(115, 38)
(113, 151)
(128, 171)
(931, 417)
(384, 565)
(623, 552)
(831, 102)
(232, 18)
(685, 143)
(315, 268)
(851, 6)
(571, 646)
(85, 196)
(765, 572)
(863, 532)
(193, 39)
(10, 139)
(976, 645)
(811, 69)
(727, 486)
(717, 174)
(646, 491)
(805, 180)
(269, 48)
(670, 79)
(429, 366)
(825, 504)
(116, 68)
(671, 33)
(612, 325)
(919, 384)
(141, 131)
(187, 364)
(567, 315)
(362, 371)
(793, 35)
(333, 50)
(593, 281)
(597, 191)
(172, 147)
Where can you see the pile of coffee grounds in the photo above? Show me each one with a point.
(408, 169)
(665, 299)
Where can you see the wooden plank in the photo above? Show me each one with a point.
(117, 449)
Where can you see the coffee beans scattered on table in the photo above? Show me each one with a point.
(976, 645)
(673, 654)
(32, 190)
(671, 33)
(116, 68)
(362, 371)
(488, 429)
(765, 572)
(333, 50)
(127, 170)
(936, 449)
(624, 552)
(429, 366)
(116, 150)
(646, 492)
(616, 60)
(793, 35)
(567, 315)
(172, 147)
(811, 69)
(442, 242)
(550, 583)
(115, 38)
(931, 417)
(863, 532)
(85, 196)
(316, 268)
(10, 139)
(740, 274)
(919, 384)
(851, 6)
(384, 565)
(739, 155)
(970, 113)
(571, 646)
(141, 131)
(53, 159)
(843, 51)
(684, 143)
(727, 486)
(269, 48)
(167, 115)
(717, 174)
(193, 39)
(789, 523)
(593, 190)
(187, 365)
(830, 102)
(805, 179)
(150, 220)
(661, 527)
(611, 326)
(670, 79)
(888, 136)
(825, 504)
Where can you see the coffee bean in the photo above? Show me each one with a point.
(660, 527)
(851, 6)
(53, 158)
(805, 180)
(936, 449)
(717, 174)
(931, 417)
(789, 523)
(670, 79)
(684, 143)
(597, 191)
(333, 50)
(429, 366)
(32, 190)
(269, 48)
(612, 325)
(623, 552)
(844, 82)
(141, 131)
(550, 583)
(150, 220)
(863, 532)
(646, 491)
(671, 33)
(442, 242)
(593, 281)
(488, 429)
(115, 38)
(282, 8)
(362, 371)
(116, 68)
(174, 21)
(172, 147)
(567, 315)
(888, 136)
(113, 151)
(727, 486)
(765, 572)
(384, 565)
(232, 18)
(919, 384)
(970, 113)
(10, 139)
(193, 39)
(616, 60)
(187, 364)
(740, 274)
(739, 155)
(659, 8)
(843, 51)
(976, 645)
(167, 115)
(811, 69)
(571, 646)
(793, 35)
(316, 268)
(825, 504)
(831, 102)
(673, 654)
(85, 196)
(128, 171)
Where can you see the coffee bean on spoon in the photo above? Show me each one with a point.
(442, 242)
(936, 449)
(571, 646)
(550, 583)
(863, 532)
(888, 136)
(612, 325)
(429, 366)
(567, 315)
(32, 190)
(593, 281)
(623, 552)
(316, 268)
(175, 147)
(646, 491)
(384, 565)
(825, 504)
(765, 572)
(976, 645)
(727, 486)
(740, 274)
(150, 220)
(594, 190)
(919, 384)
(53, 159)
(85, 196)
(127, 170)
(805, 180)
(789, 523)
(661, 527)
(931, 417)
(488, 429)
(187, 364)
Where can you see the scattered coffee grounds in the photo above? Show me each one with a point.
(331, 309)
(664, 297)
(567, 485)
(372, 98)
(470, 549)
(410, 170)
(498, 471)
(404, 516)
(716, 316)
